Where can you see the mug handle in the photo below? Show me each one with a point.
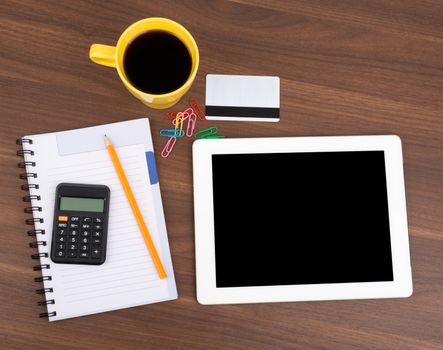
(102, 54)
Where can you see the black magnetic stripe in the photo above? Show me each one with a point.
(246, 112)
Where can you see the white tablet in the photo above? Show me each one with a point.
(300, 218)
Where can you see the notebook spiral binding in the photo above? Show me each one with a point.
(34, 209)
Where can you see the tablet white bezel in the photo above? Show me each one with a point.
(208, 293)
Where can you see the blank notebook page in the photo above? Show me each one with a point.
(128, 276)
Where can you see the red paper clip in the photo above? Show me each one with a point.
(197, 109)
(192, 121)
(171, 115)
(168, 147)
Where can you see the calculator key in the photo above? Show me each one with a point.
(73, 232)
(86, 233)
(96, 253)
(73, 240)
(96, 234)
(61, 232)
(97, 227)
(98, 220)
(72, 253)
(61, 246)
(84, 255)
(73, 225)
(61, 239)
(74, 218)
(86, 226)
(84, 240)
(84, 247)
(87, 220)
(62, 218)
(62, 225)
(96, 241)
(60, 254)
(72, 247)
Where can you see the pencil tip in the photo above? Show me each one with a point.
(107, 141)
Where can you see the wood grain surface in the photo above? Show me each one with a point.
(346, 68)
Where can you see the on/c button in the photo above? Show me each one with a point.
(62, 218)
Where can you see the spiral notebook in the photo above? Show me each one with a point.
(128, 277)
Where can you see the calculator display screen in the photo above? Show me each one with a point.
(96, 205)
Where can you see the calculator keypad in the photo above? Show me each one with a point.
(79, 239)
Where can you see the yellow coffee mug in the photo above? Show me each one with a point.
(112, 56)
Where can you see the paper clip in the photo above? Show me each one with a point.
(213, 137)
(172, 133)
(171, 115)
(209, 133)
(179, 121)
(168, 147)
(197, 109)
(192, 121)
(188, 111)
(185, 116)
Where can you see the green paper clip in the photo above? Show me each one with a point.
(208, 133)
(213, 137)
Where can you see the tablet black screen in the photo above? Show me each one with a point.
(301, 218)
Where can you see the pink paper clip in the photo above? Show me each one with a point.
(168, 147)
(192, 121)
(188, 111)
(197, 109)
(186, 114)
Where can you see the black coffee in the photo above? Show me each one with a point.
(157, 62)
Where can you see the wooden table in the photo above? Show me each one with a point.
(346, 68)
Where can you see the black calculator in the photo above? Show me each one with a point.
(80, 230)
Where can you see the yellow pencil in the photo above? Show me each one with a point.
(135, 209)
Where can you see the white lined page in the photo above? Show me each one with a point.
(128, 277)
